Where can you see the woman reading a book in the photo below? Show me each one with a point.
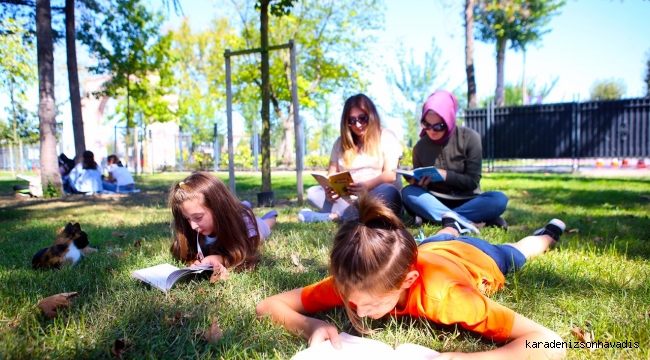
(211, 226)
(456, 152)
(369, 152)
(377, 269)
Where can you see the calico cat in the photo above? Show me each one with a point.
(68, 248)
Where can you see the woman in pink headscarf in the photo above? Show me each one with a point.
(456, 152)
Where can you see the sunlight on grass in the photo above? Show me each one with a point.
(595, 279)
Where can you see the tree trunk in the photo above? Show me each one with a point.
(266, 95)
(500, 92)
(46, 106)
(469, 53)
(73, 81)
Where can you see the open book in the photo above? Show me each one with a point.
(164, 276)
(338, 182)
(418, 173)
(354, 348)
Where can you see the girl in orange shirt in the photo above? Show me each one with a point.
(377, 269)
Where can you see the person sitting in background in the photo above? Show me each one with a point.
(65, 167)
(118, 176)
(370, 153)
(456, 152)
(85, 177)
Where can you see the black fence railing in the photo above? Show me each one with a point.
(595, 129)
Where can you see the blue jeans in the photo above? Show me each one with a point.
(486, 206)
(507, 258)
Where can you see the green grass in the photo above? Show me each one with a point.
(597, 279)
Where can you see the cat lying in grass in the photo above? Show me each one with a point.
(68, 248)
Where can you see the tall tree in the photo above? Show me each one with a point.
(469, 53)
(608, 89)
(17, 72)
(522, 22)
(127, 41)
(415, 81)
(334, 41)
(647, 76)
(73, 80)
(46, 106)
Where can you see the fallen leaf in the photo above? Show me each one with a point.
(214, 334)
(219, 273)
(588, 218)
(523, 227)
(118, 234)
(118, 254)
(526, 192)
(296, 261)
(120, 346)
(174, 320)
(574, 230)
(50, 304)
(583, 336)
(137, 244)
(598, 239)
(201, 291)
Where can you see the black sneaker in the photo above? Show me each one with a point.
(417, 221)
(498, 222)
(554, 229)
(450, 219)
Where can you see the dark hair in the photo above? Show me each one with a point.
(89, 160)
(231, 218)
(372, 135)
(66, 163)
(373, 254)
(113, 159)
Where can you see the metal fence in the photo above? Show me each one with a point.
(574, 133)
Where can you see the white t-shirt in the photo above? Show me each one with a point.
(364, 166)
(122, 175)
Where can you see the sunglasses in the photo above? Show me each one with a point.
(361, 119)
(435, 127)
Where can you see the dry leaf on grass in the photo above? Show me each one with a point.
(582, 336)
(574, 230)
(219, 273)
(525, 192)
(50, 304)
(118, 234)
(588, 218)
(296, 261)
(137, 244)
(120, 346)
(174, 320)
(523, 228)
(598, 239)
(214, 334)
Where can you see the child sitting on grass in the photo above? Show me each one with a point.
(377, 269)
(212, 227)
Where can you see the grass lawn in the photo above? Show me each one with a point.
(597, 279)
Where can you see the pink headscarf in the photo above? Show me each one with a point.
(444, 104)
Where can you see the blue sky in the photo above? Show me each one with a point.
(589, 40)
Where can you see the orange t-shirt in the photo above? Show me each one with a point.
(448, 291)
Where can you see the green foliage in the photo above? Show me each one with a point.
(647, 76)
(243, 156)
(51, 191)
(317, 161)
(415, 83)
(407, 158)
(607, 89)
(125, 37)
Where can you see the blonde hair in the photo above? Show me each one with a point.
(372, 255)
(228, 214)
(350, 143)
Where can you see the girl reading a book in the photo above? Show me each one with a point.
(456, 152)
(369, 152)
(377, 269)
(211, 226)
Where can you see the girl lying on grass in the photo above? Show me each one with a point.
(377, 269)
(212, 227)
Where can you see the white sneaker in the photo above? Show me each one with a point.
(307, 215)
(451, 219)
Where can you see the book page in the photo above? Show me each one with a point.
(155, 275)
(322, 180)
(414, 351)
(194, 269)
(352, 348)
(406, 173)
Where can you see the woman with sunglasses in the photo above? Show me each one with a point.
(370, 153)
(456, 152)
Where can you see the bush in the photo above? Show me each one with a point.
(317, 161)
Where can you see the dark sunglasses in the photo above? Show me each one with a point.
(361, 119)
(434, 127)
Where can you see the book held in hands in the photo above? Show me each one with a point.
(164, 276)
(419, 173)
(338, 182)
(354, 348)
